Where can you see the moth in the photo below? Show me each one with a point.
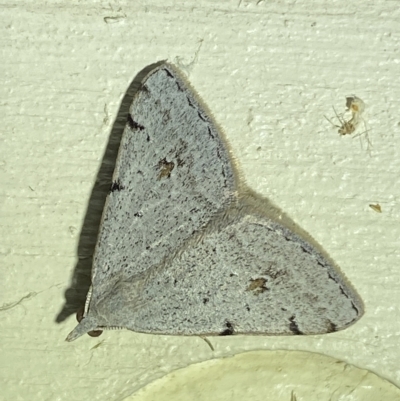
(186, 248)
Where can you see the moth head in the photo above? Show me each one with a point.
(86, 325)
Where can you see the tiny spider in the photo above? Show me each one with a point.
(346, 127)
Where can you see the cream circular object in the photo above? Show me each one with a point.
(270, 375)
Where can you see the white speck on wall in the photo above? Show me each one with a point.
(270, 72)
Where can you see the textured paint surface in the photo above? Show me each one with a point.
(182, 242)
(269, 71)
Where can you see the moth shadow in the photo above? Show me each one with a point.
(75, 295)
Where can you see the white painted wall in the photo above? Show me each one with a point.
(269, 71)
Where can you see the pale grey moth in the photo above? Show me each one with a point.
(185, 248)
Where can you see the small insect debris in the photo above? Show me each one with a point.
(376, 207)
